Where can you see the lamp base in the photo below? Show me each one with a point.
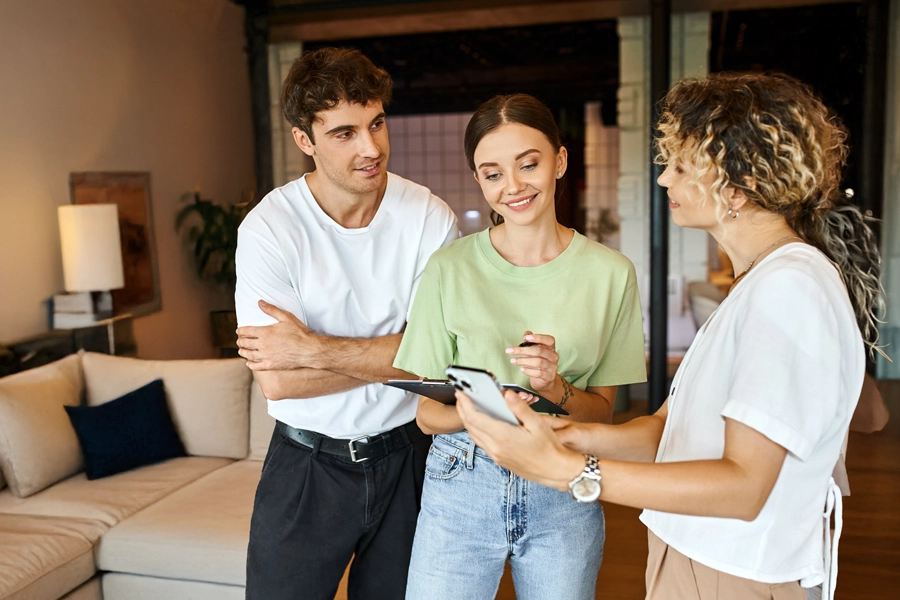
(81, 309)
(103, 305)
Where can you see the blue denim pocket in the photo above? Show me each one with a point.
(444, 462)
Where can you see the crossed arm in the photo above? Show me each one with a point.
(291, 361)
(550, 452)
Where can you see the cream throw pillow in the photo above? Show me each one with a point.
(38, 446)
(209, 399)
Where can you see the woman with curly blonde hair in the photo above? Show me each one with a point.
(734, 471)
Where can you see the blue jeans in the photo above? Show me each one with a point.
(476, 514)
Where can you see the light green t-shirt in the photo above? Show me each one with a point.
(472, 304)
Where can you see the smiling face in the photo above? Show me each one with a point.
(516, 167)
(691, 197)
(351, 146)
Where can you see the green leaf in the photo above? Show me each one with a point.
(211, 236)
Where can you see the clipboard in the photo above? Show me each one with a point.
(443, 391)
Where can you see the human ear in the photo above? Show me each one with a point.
(301, 138)
(736, 196)
(562, 160)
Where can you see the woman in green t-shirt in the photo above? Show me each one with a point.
(526, 279)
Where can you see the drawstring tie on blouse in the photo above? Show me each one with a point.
(833, 505)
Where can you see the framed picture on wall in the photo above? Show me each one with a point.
(131, 193)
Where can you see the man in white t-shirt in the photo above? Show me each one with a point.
(327, 266)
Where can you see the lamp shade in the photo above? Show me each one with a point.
(91, 248)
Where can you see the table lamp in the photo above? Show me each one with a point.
(92, 264)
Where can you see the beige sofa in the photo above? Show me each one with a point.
(175, 530)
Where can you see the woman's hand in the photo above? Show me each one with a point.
(433, 417)
(533, 451)
(574, 435)
(539, 361)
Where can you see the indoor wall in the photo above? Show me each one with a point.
(103, 85)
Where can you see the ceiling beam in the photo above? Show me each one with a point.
(459, 15)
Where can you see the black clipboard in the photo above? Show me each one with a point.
(442, 391)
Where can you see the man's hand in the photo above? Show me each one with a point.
(283, 346)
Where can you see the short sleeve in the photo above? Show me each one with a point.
(785, 380)
(427, 346)
(623, 361)
(441, 228)
(262, 274)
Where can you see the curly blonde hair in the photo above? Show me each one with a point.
(770, 136)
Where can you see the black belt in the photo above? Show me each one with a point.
(365, 447)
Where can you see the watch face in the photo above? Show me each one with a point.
(586, 489)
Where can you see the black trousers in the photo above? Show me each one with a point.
(314, 512)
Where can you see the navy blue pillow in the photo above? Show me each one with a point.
(128, 432)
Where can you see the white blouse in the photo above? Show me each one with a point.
(784, 356)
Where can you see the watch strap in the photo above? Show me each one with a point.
(591, 471)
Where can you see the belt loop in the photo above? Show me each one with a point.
(470, 456)
(316, 444)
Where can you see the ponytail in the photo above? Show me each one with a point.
(843, 234)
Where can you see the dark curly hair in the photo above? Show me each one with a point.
(321, 79)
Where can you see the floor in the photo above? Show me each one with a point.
(869, 546)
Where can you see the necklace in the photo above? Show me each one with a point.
(766, 249)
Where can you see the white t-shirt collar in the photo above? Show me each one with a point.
(387, 201)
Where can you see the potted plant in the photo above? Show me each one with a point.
(210, 232)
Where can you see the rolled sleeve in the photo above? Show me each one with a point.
(784, 434)
(785, 381)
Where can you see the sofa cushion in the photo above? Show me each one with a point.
(68, 368)
(110, 500)
(38, 446)
(123, 586)
(177, 537)
(44, 558)
(86, 591)
(128, 432)
(209, 399)
(262, 424)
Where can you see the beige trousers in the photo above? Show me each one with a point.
(673, 576)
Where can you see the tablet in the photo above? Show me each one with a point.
(442, 391)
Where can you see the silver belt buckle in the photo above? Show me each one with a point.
(353, 449)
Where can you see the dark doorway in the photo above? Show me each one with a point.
(823, 46)
(564, 65)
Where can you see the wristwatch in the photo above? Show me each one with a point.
(586, 487)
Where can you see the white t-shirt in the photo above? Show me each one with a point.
(340, 282)
(784, 356)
